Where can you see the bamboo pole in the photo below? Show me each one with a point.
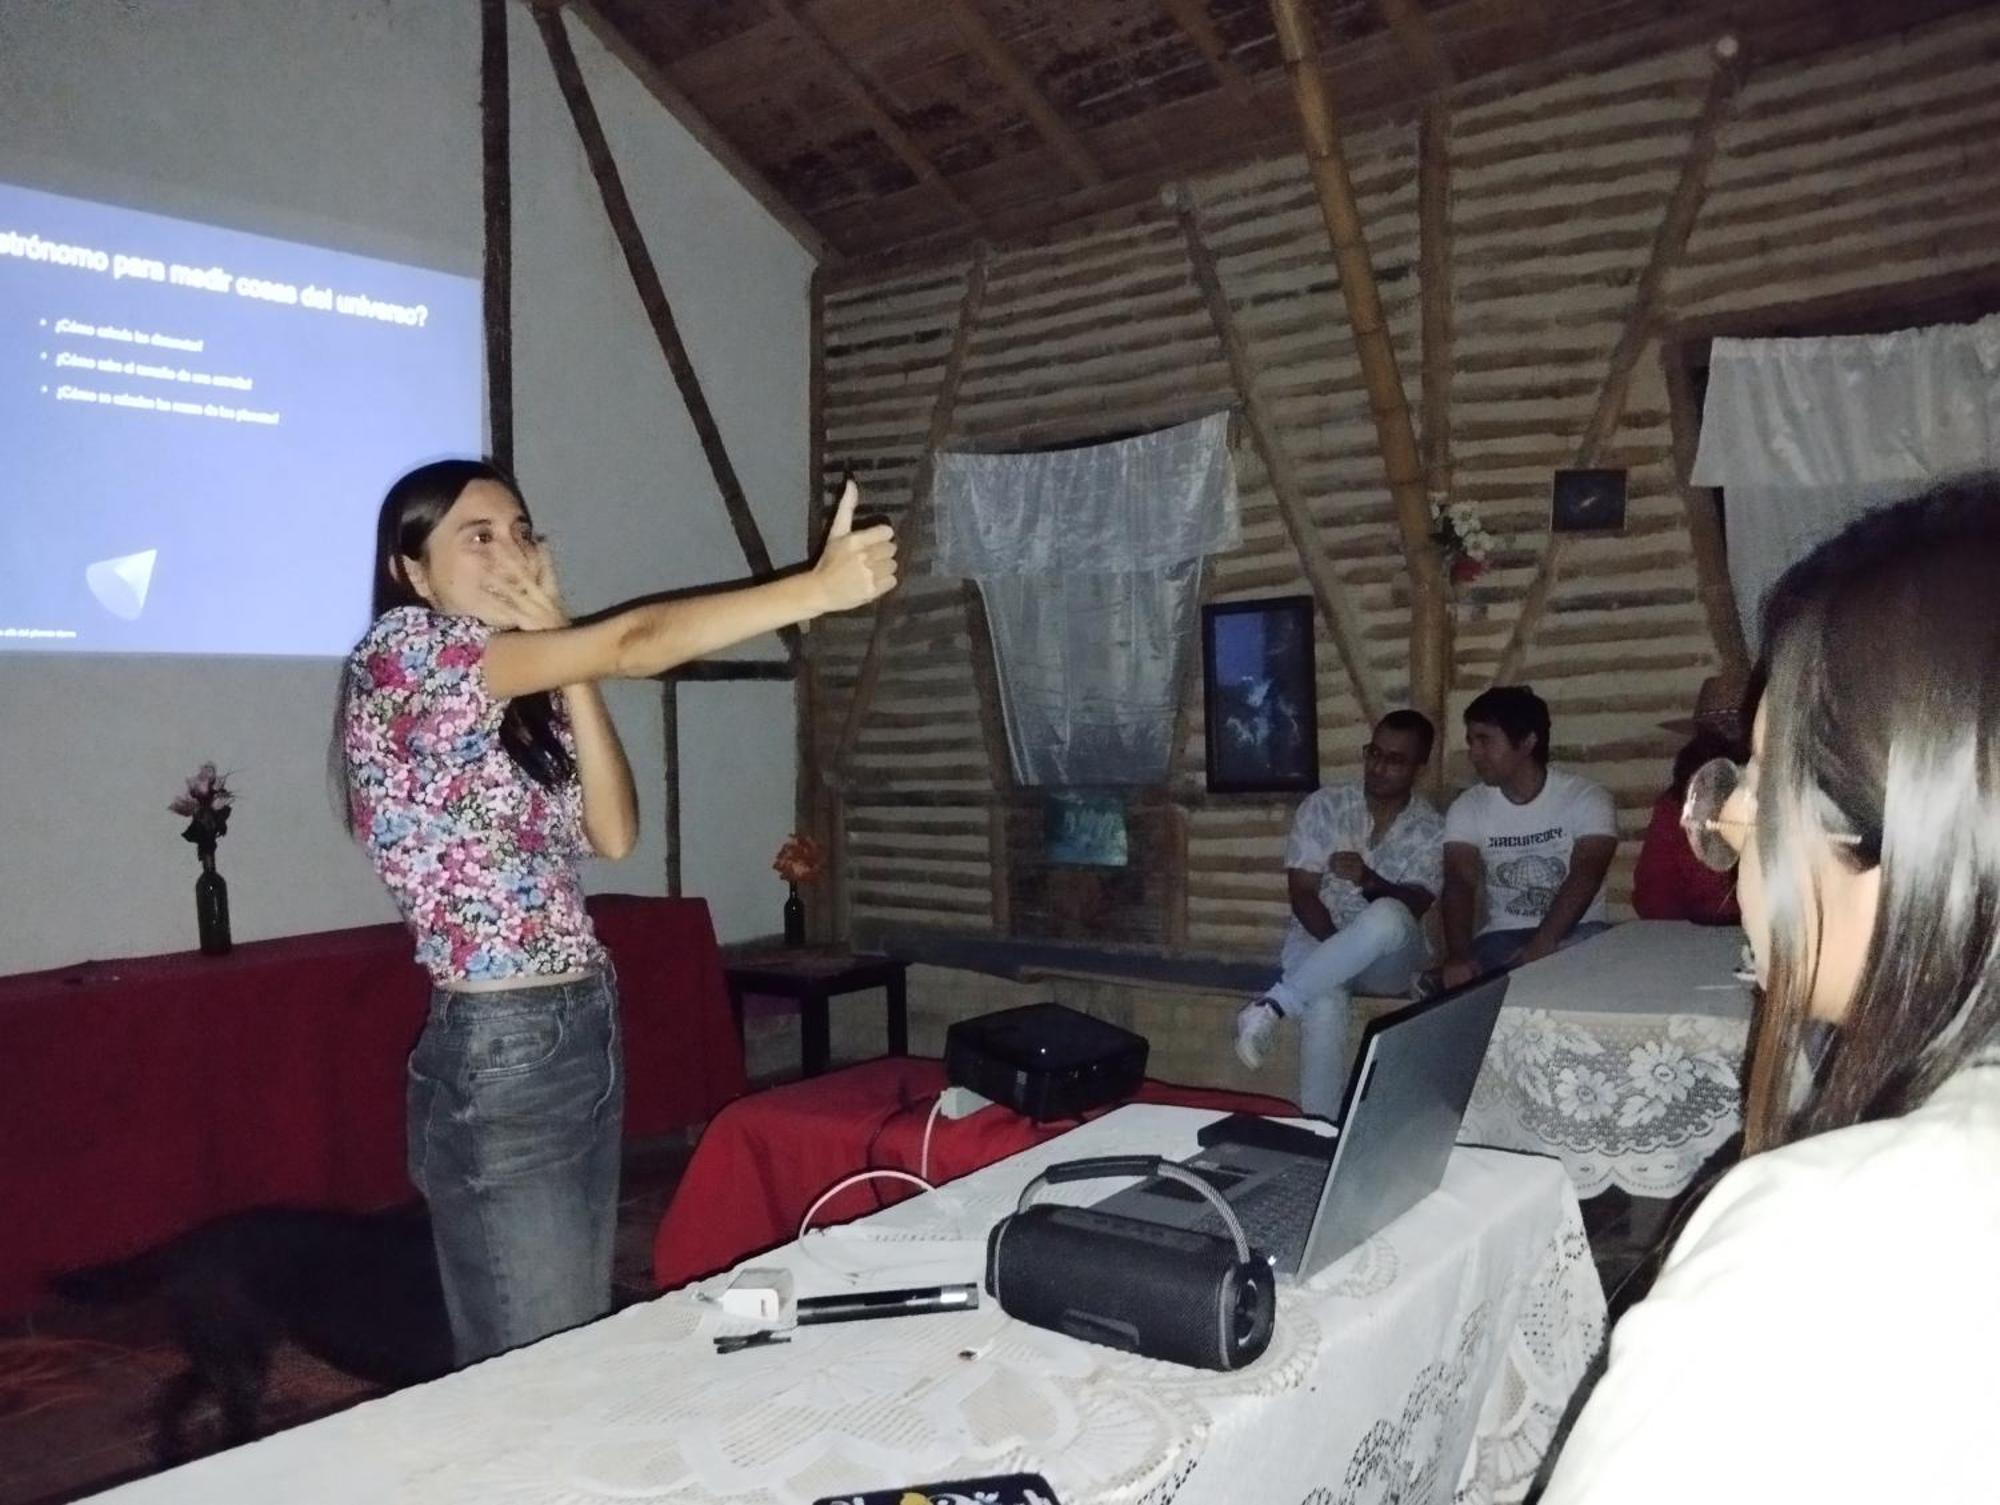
(1328, 594)
(496, 174)
(1435, 305)
(919, 525)
(1641, 326)
(1338, 206)
(652, 295)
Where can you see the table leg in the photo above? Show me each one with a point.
(815, 1034)
(899, 1015)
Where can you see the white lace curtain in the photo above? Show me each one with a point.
(1808, 434)
(1089, 561)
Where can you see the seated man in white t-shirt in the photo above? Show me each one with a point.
(1537, 840)
(1363, 863)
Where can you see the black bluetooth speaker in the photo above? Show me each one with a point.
(1168, 1293)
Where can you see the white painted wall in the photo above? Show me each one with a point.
(356, 123)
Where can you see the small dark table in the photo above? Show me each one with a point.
(813, 975)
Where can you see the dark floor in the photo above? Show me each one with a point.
(76, 1383)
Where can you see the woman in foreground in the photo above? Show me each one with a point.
(1826, 1327)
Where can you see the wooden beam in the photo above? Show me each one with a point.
(1328, 594)
(496, 174)
(670, 743)
(1419, 41)
(653, 296)
(697, 125)
(1429, 671)
(1199, 27)
(919, 526)
(1704, 519)
(1641, 325)
(799, 21)
(994, 56)
(999, 757)
(1435, 301)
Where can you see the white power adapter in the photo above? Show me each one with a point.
(961, 1102)
(761, 1293)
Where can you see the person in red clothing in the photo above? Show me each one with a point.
(1670, 883)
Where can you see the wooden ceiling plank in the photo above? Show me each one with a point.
(697, 125)
(1194, 20)
(995, 57)
(794, 16)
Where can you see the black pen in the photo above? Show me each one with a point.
(909, 1302)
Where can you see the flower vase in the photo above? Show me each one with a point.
(795, 917)
(211, 908)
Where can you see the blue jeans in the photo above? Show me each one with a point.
(1496, 950)
(1378, 951)
(516, 1100)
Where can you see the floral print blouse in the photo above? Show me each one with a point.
(481, 859)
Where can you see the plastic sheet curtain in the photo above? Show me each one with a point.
(1089, 561)
(1806, 435)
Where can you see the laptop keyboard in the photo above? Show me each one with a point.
(1276, 1216)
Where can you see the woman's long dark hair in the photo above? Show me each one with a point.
(1882, 710)
(411, 511)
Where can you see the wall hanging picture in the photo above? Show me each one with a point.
(1261, 695)
(1588, 501)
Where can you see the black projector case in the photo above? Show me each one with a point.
(1045, 1061)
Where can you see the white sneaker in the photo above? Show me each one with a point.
(1256, 1022)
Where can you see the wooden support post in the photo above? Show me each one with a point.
(1435, 303)
(999, 756)
(1328, 594)
(1394, 433)
(1704, 521)
(919, 528)
(813, 801)
(993, 55)
(670, 742)
(1174, 898)
(497, 177)
(653, 296)
(1641, 326)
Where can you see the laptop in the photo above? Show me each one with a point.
(1307, 1198)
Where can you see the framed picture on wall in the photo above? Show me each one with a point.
(1261, 697)
(1587, 501)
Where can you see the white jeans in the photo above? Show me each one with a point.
(1379, 951)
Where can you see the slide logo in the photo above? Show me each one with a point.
(120, 584)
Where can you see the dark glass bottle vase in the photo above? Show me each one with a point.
(211, 908)
(795, 918)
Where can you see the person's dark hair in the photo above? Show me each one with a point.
(1415, 724)
(1882, 724)
(1517, 711)
(1705, 746)
(414, 507)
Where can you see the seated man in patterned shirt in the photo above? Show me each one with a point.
(1363, 864)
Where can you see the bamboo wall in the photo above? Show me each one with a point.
(1859, 169)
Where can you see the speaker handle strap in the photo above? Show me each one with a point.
(1099, 1166)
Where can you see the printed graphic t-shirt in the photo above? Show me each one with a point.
(1526, 848)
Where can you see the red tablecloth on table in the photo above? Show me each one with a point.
(763, 1159)
(145, 1095)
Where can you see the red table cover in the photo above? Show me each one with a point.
(146, 1095)
(763, 1159)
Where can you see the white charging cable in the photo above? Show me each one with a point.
(854, 1180)
(924, 1160)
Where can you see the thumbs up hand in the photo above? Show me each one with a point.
(854, 568)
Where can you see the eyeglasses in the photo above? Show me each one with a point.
(1716, 840)
(1373, 754)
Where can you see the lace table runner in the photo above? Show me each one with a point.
(1428, 1365)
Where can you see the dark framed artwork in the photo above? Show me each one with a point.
(1587, 501)
(1261, 700)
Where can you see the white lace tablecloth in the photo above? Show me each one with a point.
(1429, 1365)
(1621, 1057)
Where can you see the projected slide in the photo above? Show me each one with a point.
(197, 425)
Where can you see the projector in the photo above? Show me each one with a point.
(1045, 1061)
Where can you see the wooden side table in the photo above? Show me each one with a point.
(814, 975)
